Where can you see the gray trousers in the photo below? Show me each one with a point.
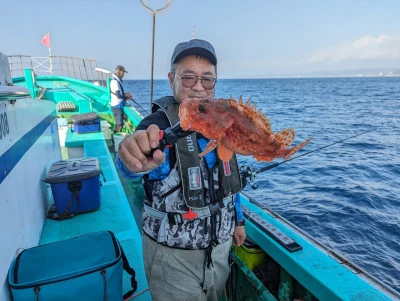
(175, 274)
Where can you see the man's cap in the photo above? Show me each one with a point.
(120, 68)
(194, 46)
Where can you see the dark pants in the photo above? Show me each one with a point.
(118, 115)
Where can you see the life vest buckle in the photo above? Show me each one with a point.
(190, 214)
(215, 207)
(174, 218)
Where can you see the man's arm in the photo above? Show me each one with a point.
(128, 96)
(239, 234)
(114, 89)
(131, 159)
(119, 94)
(133, 149)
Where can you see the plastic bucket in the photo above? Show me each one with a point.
(117, 140)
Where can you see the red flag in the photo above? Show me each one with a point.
(46, 40)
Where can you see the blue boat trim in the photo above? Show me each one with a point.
(12, 156)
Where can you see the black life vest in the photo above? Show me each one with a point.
(187, 156)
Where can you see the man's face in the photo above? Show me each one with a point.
(194, 66)
(121, 74)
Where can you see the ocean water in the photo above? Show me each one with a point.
(346, 195)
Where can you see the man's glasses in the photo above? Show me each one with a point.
(188, 81)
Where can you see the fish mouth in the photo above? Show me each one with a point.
(197, 98)
(185, 123)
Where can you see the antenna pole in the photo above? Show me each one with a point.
(51, 62)
(194, 32)
(152, 60)
(154, 12)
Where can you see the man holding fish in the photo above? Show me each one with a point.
(191, 207)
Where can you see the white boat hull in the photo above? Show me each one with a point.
(29, 144)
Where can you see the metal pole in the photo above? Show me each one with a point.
(60, 63)
(154, 12)
(152, 61)
(51, 62)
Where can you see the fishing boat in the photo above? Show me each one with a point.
(278, 261)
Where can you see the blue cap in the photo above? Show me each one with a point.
(196, 47)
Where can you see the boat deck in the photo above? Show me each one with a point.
(114, 215)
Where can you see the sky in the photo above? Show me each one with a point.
(253, 38)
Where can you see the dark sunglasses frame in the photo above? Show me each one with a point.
(201, 78)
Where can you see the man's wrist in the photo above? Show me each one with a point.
(240, 223)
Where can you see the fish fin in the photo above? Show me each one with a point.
(224, 153)
(286, 136)
(295, 149)
(248, 102)
(265, 159)
(210, 146)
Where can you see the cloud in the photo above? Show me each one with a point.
(367, 47)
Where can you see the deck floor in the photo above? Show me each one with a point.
(115, 214)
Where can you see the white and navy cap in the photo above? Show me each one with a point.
(194, 46)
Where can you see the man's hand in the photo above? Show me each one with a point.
(128, 96)
(239, 235)
(133, 149)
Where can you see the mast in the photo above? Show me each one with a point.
(154, 12)
(194, 32)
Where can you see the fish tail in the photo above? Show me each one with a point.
(295, 149)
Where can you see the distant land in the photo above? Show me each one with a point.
(364, 72)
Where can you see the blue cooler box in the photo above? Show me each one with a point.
(75, 185)
(86, 123)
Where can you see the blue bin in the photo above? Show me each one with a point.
(75, 185)
(86, 123)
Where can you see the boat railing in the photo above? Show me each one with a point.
(74, 67)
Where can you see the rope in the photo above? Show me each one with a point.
(139, 293)
(103, 273)
(37, 290)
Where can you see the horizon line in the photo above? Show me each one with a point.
(287, 77)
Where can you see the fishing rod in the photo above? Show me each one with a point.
(248, 173)
(143, 109)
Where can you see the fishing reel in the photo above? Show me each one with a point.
(248, 176)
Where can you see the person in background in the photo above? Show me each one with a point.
(118, 97)
(191, 207)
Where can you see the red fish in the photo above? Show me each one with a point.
(235, 127)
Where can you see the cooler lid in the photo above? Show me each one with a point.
(73, 170)
(84, 117)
